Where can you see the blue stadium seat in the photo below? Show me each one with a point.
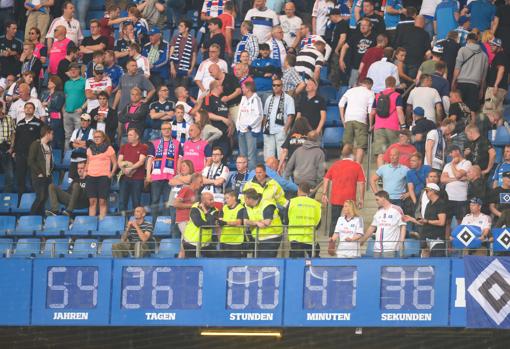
(28, 225)
(8, 201)
(66, 161)
(65, 181)
(502, 137)
(57, 157)
(7, 225)
(333, 116)
(5, 246)
(162, 226)
(84, 248)
(55, 226)
(27, 248)
(94, 14)
(113, 203)
(2, 182)
(169, 248)
(332, 137)
(111, 226)
(328, 93)
(98, 5)
(56, 248)
(83, 226)
(411, 248)
(105, 250)
(27, 199)
(370, 248)
(147, 218)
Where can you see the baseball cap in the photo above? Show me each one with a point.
(154, 31)
(85, 116)
(432, 186)
(477, 201)
(453, 147)
(496, 42)
(506, 174)
(74, 66)
(438, 49)
(419, 111)
(99, 68)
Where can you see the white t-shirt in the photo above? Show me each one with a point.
(482, 220)
(17, 110)
(437, 163)
(427, 98)
(457, 190)
(388, 223)
(290, 27)
(263, 22)
(143, 65)
(73, 28)
(428, 7)
(348, 229)
(204, 75)
(96, 86)
(359, 102)
(379, 71)
(214, 10)
(321, 13)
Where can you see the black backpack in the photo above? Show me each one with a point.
(382, 105)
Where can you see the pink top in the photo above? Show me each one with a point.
(161, 174)
(391, 122)
(37, 53)
(57, 53)
(100, 164)
(195, 151)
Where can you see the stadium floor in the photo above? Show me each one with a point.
(319, 338)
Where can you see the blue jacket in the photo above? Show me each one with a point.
(286, 184)
(161, 66)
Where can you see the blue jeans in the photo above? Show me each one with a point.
(130, 188)
(248, 147)
(81, 9)
(58, 133)
(160, 191)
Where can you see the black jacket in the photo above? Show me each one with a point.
(136, 119)
(37, 160)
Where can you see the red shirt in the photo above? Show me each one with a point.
(344, 176)
(107, 32)
(227, 22)
(132, 154)
(372, 55)
(405, 150)
(186, 196)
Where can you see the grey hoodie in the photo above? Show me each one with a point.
(307, 164)
(474, 70)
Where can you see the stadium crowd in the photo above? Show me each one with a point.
(169, 102)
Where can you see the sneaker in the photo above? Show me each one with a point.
(51, 213)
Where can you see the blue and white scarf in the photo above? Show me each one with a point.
(276, 50)
(183, 63)
(241, 46)
(170, 158)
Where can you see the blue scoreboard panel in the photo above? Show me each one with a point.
(15, 291)
(71, 292)
(378, 292)
(212, 292)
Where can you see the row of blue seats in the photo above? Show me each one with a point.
(54, 226)
(80, 248)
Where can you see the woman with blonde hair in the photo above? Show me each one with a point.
(348, 230)
(486, 37)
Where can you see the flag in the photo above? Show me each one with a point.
(501, 239)
(467, 236)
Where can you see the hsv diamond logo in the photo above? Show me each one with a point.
(466, 236)
(504, 198)
(491, 290)
(504, 239)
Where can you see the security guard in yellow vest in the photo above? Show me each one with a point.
(305, 215)
(232, 231)
(264, 221)
(201, 214)
(266, 186)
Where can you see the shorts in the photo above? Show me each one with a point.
(457, 209)
(98, 187)
(470, 95)
(356, 133)
(383, 138)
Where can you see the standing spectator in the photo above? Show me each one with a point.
(445, 18)
(389, 227)
(180, 126)
(348, 230)
(7, 128)
(377, 20)
(214, 36)
(290, 24)
(231, 94)
(131, 164)
(386, 118)
(477, 218)
(502, 168)
(380, 70)
(93, 43)
(111, 18)
(427, 98)
(61, 48)
(359, 101)
(40, 160)
(421, 128)
(202, 213)
(501, 25)
(142, 62)
(134, 114)
(295, 139)
(53, 100)
(393, 177)
(279, 114)
(477, 187)
(40, 50)
(138, 230)
(277, 47)
(215, 176)
(72, 26)
(393, 10)
(7, 12)
(263, 69)
(454, 176)
(184, 201)
(352, 51)
(435, 145)
(479, 150)
(404, 146)
(441, 84)
(71, 56)
(129, 80)
(399, 60)
(10, 50)
(161, 110)
(227, 19)
(312, 107)
(238, 178)
(500, 207)
(416, 179)
(470, 71)
(27, 131)
(293, 83)
(428, 12)
(347, 183)
(497, 78)
(17, 108)
(263, 20)
(126, 39)
(101, 166)
(203, 76)
(80, 140)
(416, 41)
(310, 60)
(320, 14)
(208, 132)
(308, 163)
(482, 14)
(74, 90)
(30, 63)
(74, 197)
(112, 70)
(249, 123)
(182, 54)
(336, 35)
(196, 149)
(104, 118)
(156, 51)
(181, 179)
(153, 11)
(141, 27)
(459, 113)
(95, 85)
(248, 43)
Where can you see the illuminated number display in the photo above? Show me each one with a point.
(331, 288)
(72, 287)
(253, 287)
(162, 287)
(407, 288)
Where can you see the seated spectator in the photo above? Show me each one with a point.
(435, 145)
(134, 114)
(497, 178)
(185, 199)
(248, 43)
(93, 86)
(393, 177)
(295, 139)
(380, 70)
(416, 179)
(348, 230)
(232, 227)
(80, 140)
(104, 118)
(310, 60)
(238, 178)
(476, 218)
(293, 83)
(197, 149)
(426, 97)
(156, 51)
(459, 112)
(479, 150)
(405, 148)
(93, 43)
(499, 206)
(214, 36)
(308, 163)
(183, 54)
(12, 94)
(75, 197)
(138, 231)
(202, 213)
(40, 161)
(203, 77)
(262, 69)
(249, 123)
(215, 176)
